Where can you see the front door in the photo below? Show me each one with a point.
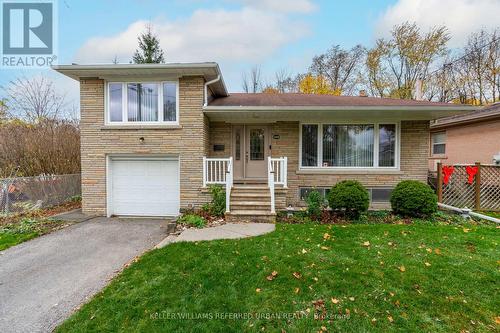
(250, 151)
(256, 151)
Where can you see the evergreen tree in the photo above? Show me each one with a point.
(149, 51)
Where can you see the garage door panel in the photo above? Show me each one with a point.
(145, 187)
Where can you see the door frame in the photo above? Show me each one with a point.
(244, 146)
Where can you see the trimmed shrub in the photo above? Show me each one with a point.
(216, 207)
(349, 197)
(314, 202)
(192, 220)
(413, 198)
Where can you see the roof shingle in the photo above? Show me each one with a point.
(297, 99)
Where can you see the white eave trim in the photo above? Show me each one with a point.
(209, 109)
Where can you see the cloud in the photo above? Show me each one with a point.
(461, 17)
(247, 34)
(289, 6)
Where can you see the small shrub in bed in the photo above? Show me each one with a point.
(413, 198)
(314, 202)
(192, 220)
(216, 207)
(350, 198)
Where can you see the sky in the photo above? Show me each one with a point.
(239, 34)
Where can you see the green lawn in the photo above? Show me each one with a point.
(8, 239)
(492, 214)
(362, 277)
(21, 227)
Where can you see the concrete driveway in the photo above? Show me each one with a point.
(42, 281)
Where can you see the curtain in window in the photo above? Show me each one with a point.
(115, 102)
(387, 145)
(309, 145)
(348, 145)
(169, 101)
(142, 102)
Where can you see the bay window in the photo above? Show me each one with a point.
(331, 145)
(143, 102)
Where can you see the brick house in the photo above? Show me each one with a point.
(153, 137)
(466, 138)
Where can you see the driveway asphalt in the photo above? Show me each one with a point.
(44, 280)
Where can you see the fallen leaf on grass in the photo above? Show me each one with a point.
(297, 290)
(304, 251)
(497, 320)
(402, 268)
(335, 301)
(272, 276)
(390, 319)
(437, 251)
(351, 299)
(429, 250)
(297, 275)
(326, 236)
(466, 230)
(367, 243)
(257, 290)
(427, 264)
(325, 248)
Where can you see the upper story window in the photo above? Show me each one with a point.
(438, 143)
(349, 145)
(143, 102)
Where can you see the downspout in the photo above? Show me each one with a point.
(206, 89)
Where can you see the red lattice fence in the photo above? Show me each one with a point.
(474, 186)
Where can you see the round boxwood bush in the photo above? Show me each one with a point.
(349, 197)
(413, 198)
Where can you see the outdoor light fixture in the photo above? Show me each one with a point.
(141, 139)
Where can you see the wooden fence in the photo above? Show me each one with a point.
(475, 186)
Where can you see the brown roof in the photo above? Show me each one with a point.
(296, 99)
(487, 112)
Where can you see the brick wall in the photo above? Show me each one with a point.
(220, 134)
(469, 143)
(189, 142)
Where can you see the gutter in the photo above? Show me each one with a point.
(458, 122)
(206, 89)
(209, 109)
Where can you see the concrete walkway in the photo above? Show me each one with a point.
(226, 231)
(43, 280)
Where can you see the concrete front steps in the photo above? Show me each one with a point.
(250, 203)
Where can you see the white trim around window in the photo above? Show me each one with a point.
(124, 104)
(376, 134)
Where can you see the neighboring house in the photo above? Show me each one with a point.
(467, 138)
(154, 136)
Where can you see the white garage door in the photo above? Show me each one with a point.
(142, 187)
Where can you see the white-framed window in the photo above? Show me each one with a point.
(345, 145)
(438, 143)
(142, 103)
